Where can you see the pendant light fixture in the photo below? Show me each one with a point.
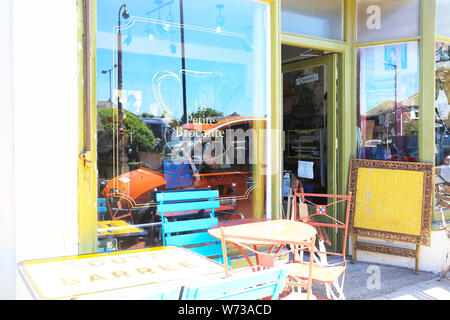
(219, 19)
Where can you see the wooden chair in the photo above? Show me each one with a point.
(240, 286)
(266, 257)
(181, 224)
(322, 271)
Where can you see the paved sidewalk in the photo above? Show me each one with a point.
(367, 281)
(427, 290)
(370, 281)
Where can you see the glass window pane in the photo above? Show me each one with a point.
(305, 127)
(387, 19)
(442, 121)
(388, 102)
(443, 17)
(319, 18)
(183, 96)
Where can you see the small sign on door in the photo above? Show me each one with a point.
(306, 79)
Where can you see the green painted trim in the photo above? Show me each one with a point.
(93, 184)
(331, 123)
(427, 73)
(313, 42)
(427, 79)
(346, 116)
(307, 63)
(387, 41)
(347, 100)
(276, 110)
(332, 138)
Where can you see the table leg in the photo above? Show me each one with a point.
(244, 255)
(255, 247)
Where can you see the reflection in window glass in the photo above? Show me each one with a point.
(182, 101)
(442, 121)
(387, 19)
(388, 102)
(319, 18)
(305, 127)
(442, 17)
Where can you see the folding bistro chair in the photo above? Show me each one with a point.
(314, 214)
(299, 212)
(243, 286)
(265, 259)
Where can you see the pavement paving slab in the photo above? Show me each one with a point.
(368, 281)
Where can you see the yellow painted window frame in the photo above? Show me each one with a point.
(87, 173)
(87, 166)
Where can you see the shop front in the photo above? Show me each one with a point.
(186, 96)
(183, 102)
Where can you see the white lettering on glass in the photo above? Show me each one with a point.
(374, 18)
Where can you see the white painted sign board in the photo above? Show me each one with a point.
(68, 277)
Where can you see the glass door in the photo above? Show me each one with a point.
(309, 122)
(309, 125)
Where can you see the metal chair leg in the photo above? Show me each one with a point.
(444, 274)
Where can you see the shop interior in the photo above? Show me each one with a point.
(305, 128)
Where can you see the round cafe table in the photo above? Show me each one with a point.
(254, 232)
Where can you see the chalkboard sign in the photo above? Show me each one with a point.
(307, 147)
(304, 144)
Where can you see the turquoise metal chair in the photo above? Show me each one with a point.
(143, 292)
(180, 224)
(108, 244)
(246, 286)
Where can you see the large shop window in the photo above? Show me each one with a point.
(388, 102)
(442, 109)
(387, 19)
(183, 100)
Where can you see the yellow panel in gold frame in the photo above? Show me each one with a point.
(391, 200)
